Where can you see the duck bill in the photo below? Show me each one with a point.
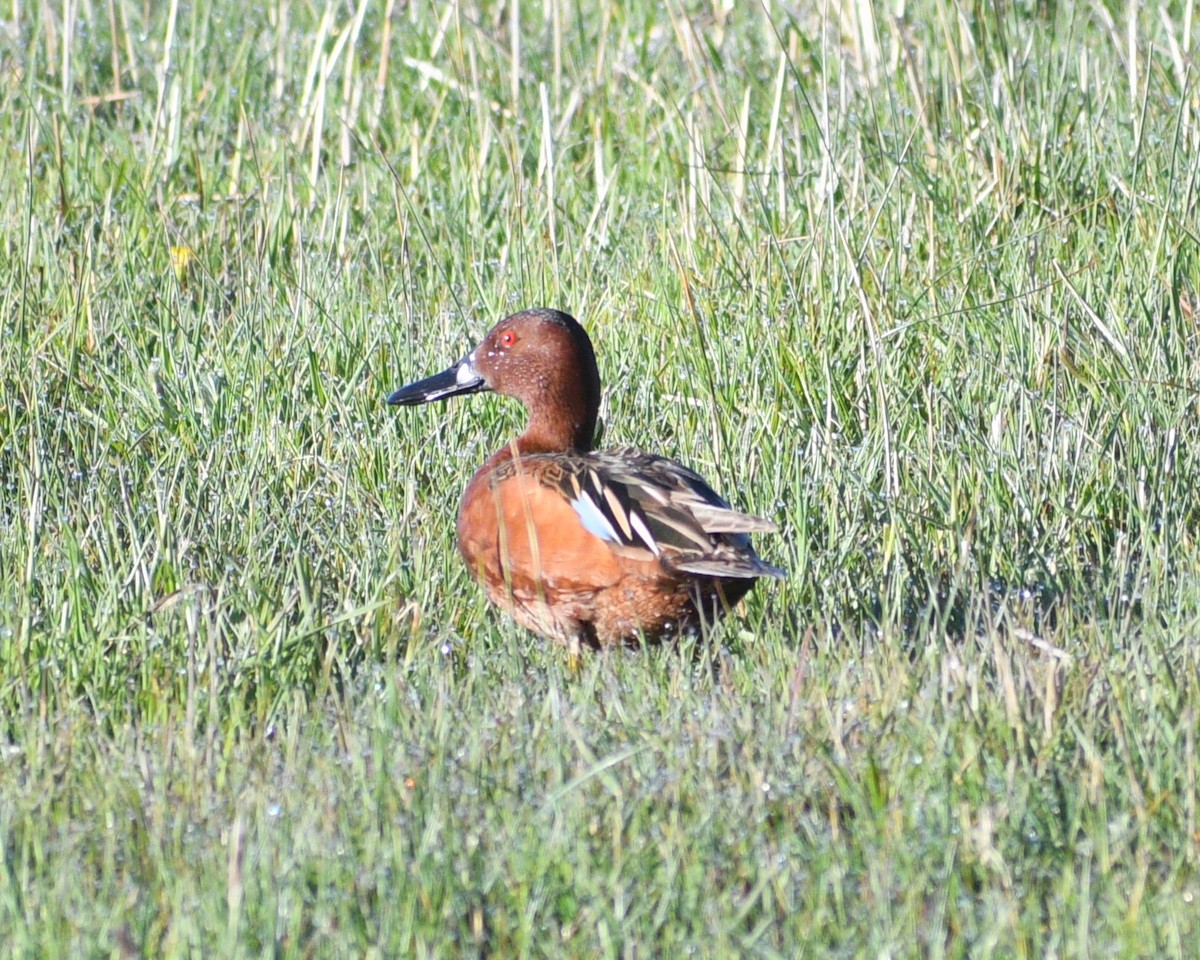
(458, 379)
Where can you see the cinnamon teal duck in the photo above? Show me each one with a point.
(585, 547)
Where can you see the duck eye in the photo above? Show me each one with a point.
(508, 338)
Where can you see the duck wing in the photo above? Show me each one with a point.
(639, 501)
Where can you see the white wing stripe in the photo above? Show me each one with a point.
(644, 532)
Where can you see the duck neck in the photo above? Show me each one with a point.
(565, 424)
(544, 434)
(563, 420)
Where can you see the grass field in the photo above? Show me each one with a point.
(921, 285)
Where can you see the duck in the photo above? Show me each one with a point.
(587, 548)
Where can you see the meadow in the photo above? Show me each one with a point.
(918, 281)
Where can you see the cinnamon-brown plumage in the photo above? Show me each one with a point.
(584, 547)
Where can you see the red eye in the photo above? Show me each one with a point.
(508, 338)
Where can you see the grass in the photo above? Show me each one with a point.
(921, 287)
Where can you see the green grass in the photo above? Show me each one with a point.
(924, 290)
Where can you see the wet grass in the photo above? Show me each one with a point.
(923, 290)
